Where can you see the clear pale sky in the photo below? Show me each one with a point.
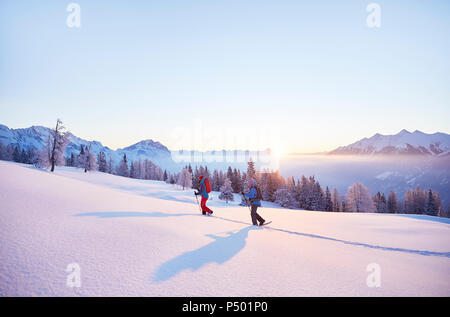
(305, 76)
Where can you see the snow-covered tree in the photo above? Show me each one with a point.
(226, 191)
(90, 161)
(336, 200)
(236, 181)
(2, 151)
(215, 181)
(392, 205)
(328, 200)
(283, 197)
(53, 153)
(122, 168)
(172, 179)
(185, 179)
(81, 157)
(23, 157)
(380, 203)
(359, 199)
(16, 154)
(32, 156)
(134, 170)
(102, 163)
(431, 207)
(110, 167)
(251, 172)
(71, 160)
(408, 202)
(344, 206)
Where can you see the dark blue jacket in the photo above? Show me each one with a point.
(253, 194)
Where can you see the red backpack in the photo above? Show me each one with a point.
(208, 185)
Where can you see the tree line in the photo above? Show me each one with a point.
(304, 193)
(307, 193)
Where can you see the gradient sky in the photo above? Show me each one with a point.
(303, 76)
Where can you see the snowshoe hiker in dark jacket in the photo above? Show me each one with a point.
(254, 196)
(202, 191)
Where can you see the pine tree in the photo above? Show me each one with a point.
(283, 198)
(226, 191)
(230, 173)
(380, 203)
(9, 152)
(90, 161)
(122, 168)
(328, 200)
(23, 157)
(336, 200)
(392, 203)
(165, 175)
(195, 179)
(16, 154)
(192, 174)
(32, 156)
(236, 181)
(251, 172)
(2, 151)
(71, 161)
(214, 181)
(318, 197)
(431, 207)
(110, 165)
(81, 157)
(133, 173)
(102, 164)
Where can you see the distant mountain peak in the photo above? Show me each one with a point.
(404, 142)
(147, 144)
(404, 131)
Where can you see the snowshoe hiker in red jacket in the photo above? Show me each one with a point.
(203, 190)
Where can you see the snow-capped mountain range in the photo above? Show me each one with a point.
(36, 136)
(405, 143)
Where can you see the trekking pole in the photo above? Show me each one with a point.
(196, 198)
(248, 202)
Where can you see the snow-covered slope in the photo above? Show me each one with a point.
(147, 238)
(437, 144)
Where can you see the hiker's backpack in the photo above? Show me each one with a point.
(258, 194)
(207, 185)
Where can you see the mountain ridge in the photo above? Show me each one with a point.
(402, 143)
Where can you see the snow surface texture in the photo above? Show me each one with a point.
(146, 238)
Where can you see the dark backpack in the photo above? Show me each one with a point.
(258, 194)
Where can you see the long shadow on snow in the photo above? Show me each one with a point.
(220, 239)
(219, 251)
(419, 252)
